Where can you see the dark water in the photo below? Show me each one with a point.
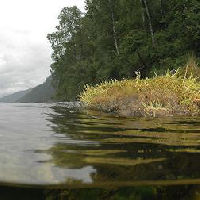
(57, 151)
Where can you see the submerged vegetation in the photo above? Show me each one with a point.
(170, 94)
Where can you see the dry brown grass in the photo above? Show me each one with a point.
(170, 94)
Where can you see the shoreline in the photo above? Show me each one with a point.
(166, 95)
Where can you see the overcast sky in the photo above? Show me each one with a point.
(25, 53)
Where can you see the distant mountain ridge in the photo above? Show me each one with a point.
(39, 94)
(12, 98)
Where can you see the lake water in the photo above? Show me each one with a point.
(59, 151)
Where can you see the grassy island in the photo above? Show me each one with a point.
(169, 94)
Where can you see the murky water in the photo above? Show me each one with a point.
(57, 151)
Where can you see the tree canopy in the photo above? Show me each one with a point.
(113, 39)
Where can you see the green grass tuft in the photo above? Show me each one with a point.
(170, 94)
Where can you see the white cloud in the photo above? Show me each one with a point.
(25, 53)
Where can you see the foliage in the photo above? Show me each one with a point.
(161, 95)
(113, 39)
(190, 69)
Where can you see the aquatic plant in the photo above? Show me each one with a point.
(169, 94)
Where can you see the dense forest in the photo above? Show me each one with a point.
(115, 38)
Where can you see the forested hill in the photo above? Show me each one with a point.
(12, 98)
(42, 93)
(113, 39)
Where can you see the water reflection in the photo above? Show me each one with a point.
(25, 136)
(65, 152)
(126, 151)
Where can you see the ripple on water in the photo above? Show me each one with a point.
(64, 144)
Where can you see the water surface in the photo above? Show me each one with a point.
(62, 146)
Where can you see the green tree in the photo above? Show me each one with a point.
(66, 52)
(113, 39)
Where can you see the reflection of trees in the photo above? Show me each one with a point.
(127, 149)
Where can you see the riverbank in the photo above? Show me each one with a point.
(165, 95)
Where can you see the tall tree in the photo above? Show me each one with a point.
(150, 21)
(113, 27)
